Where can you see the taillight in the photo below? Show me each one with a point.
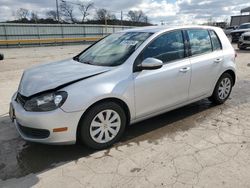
(235, 54)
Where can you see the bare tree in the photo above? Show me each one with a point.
(84, 9)
(137, 16)
(102, 14)
(210, 21)
(66, 11)
(34, 16)
(51, 15)
(22, 13)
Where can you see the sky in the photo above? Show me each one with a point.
(171, 12)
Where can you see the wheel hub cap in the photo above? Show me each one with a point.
(224, 88)
(105, 126)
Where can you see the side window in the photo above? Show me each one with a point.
(215, 41)
(167, 47)
(199, 41)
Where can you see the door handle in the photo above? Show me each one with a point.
(218, 60)
(185, 69)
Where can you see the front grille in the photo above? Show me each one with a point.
(34, 133)
(21, 99)
(247, 38)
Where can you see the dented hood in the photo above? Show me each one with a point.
(53, 75)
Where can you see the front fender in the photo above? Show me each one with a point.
(83, 94)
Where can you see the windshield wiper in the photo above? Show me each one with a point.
(76, 58)
(88, 62)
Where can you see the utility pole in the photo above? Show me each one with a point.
(121, 17)
(106, 23)
(57, 11)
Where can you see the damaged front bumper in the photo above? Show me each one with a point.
(40, 126)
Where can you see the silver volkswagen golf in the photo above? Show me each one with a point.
(124, 78)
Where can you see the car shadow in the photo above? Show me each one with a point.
(20, 158)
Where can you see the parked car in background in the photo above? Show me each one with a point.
(239, 31)
(125, 78)
(1, 56)
(228, 30)
(244, 41)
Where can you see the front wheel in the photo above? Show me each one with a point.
(222, 89)
(102, 125)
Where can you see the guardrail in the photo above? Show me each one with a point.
(48, 40)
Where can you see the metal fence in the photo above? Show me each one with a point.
(238, 20)
(16, 32)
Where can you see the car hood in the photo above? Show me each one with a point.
(246, 33)
(55, 75)
(240, 30)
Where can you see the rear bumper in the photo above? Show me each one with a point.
(39, 126)
(244, 43)
(235, 38)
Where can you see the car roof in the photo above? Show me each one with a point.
(156, 29)
(245, 23)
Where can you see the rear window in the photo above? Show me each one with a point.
(215, 41)
(199, 41)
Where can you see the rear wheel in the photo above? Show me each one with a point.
(222, 89)
(1, 56)
(102, 125)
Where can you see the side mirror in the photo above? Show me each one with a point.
(1, 57)
(150, 64)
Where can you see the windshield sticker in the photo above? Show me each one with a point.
(129, 42)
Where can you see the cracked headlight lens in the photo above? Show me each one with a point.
(46, 102)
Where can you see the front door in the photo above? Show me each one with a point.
(157, 90)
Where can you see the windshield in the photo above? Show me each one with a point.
(245, 26)
(114, 49)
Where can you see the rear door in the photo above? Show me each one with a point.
(206, 58)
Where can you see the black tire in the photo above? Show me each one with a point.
(215, 98)
(234, 41)
(85, 125)
(1, 57)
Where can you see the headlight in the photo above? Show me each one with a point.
(46, 102)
